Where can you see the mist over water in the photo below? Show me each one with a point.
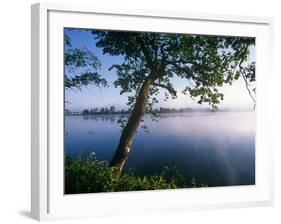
(218, 149)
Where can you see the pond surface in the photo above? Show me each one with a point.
(218, 149)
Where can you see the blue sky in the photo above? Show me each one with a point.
(235, 96)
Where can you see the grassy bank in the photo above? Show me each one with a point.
(92, 175)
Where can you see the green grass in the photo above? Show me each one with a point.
(92, 175)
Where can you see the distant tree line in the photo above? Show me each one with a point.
(173, 110)
(113, 110)
(105, 110)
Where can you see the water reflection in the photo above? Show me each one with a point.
(216, 148)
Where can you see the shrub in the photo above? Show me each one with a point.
(92, 176)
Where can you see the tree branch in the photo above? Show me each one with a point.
(242, 73)
(185, 71)
(170, 89)
(146, 54)
(247, 85)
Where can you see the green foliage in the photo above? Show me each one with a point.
(206, 62)
(92, 176)
(81, 67)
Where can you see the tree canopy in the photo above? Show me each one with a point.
(204, 62)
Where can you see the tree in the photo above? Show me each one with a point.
(112, 109)
(81, 67)
(151, 60)
(102, 110)
(93, 111)
(85, 112)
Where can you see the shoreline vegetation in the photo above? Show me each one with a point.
(93, 176)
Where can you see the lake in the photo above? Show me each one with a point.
(217, 148)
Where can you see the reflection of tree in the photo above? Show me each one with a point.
(103, 118)
(86, 117)
(106, 118)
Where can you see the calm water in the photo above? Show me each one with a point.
(216, 148)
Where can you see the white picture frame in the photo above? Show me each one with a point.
(47, 198)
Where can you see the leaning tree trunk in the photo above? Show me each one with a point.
(124, 147)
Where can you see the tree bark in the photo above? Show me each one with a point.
(125, 143)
